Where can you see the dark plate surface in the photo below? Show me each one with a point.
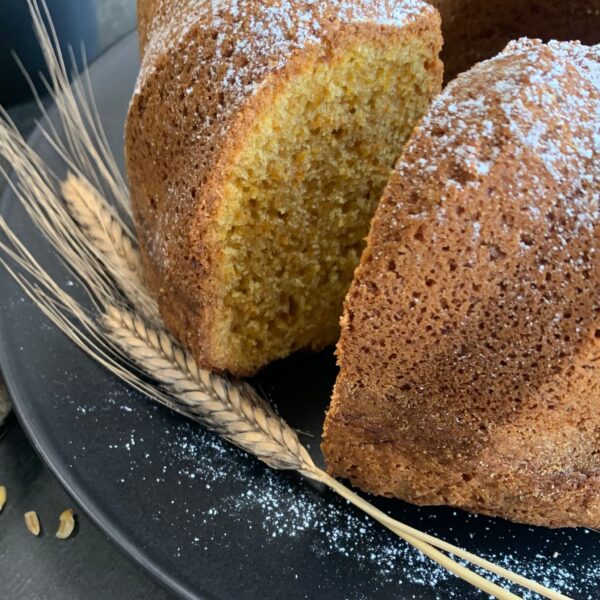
(206, 519)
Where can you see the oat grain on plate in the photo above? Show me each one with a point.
(66, 524)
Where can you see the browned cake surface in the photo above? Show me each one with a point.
(470, 346)
(475, 30)
(249, 240)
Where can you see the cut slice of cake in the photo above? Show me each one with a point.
(470, 346)
(259, 140)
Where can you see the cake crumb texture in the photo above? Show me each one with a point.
(259, 140)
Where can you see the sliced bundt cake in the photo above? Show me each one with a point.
(470, 346)
(259, 139)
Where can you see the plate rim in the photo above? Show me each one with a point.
(83, 500)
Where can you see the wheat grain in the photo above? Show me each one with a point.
(107, 236)
(66, 524)
(32, 523)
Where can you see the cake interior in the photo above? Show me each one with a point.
(304, 187)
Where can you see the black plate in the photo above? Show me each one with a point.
(206, 519)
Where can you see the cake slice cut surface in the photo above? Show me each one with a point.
(259, 140)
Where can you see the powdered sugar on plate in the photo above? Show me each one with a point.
(176, 490)
(238, 493)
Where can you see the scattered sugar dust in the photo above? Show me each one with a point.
(302, 512)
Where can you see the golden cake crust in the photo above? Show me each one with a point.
(471, 333)
(182, 134)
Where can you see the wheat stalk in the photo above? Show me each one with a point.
(212, 404)
(98, 247)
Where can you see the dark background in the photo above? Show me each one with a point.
(87, 566)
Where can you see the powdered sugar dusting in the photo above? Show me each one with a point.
(543, 103)
(257, 38)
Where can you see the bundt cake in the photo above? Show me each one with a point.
(470, 347)
(475, 30)
(259, 139)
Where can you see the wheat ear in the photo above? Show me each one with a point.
(107, 237)
(102, 223)
(216, 402)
